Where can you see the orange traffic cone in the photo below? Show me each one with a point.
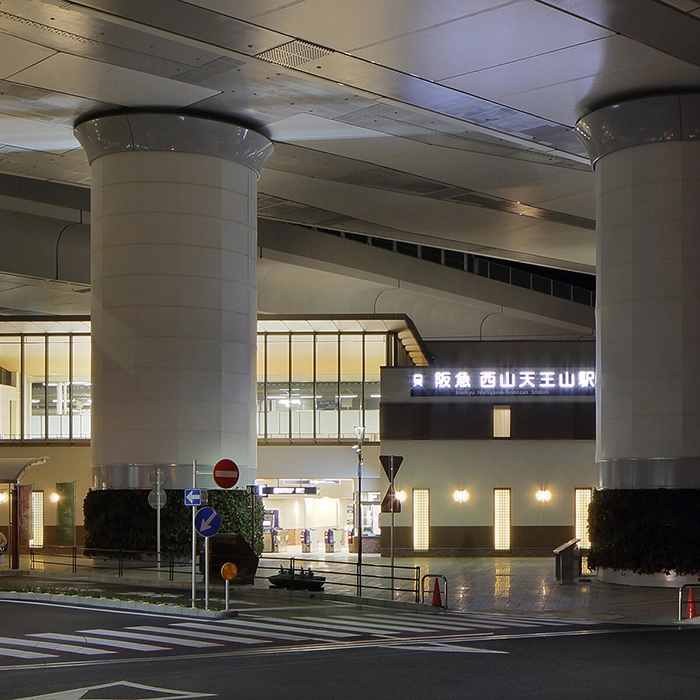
(437, 599)
(690, 611)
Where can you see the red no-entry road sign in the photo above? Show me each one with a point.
(226, 473)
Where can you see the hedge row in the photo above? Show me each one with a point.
(647, 531)
(124, 520)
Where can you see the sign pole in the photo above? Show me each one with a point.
(206, 573)
(158, 506)
(207, 523)
(194, 531)
(393, 493)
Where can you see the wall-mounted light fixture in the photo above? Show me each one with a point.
(461, 496)
(400, 496)
(54, 497)
(543, 495)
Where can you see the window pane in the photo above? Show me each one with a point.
(82, 388)
(327, 386)
(10, 408)
(375, 358)
(350, 398)
(277, 397)
(261, 402)
(501, 518)
(583, 499)
(421, 519)
(302, 389)
(37, 539)
(35, 387)
(501, 421)
(60, 390)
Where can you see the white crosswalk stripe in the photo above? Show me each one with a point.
(250, 630)
(207, 635)
(234, 634)
(22, 654)
(317, 628)
(50, 646)
(100, 641)
(128, 634)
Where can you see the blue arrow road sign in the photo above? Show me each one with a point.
(193, 497)
(207, 522)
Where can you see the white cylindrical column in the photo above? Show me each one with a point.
(173, 293)
(646, 155)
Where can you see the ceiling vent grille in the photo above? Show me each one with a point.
(212, 69)
(294, 54)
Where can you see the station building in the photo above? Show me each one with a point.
(176, 173)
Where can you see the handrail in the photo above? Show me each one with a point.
(680, 598)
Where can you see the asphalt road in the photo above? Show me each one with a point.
(338, 653)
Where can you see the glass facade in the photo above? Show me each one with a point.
(45, 387)
(312, 387)
(317, 387)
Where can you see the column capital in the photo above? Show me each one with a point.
(654, 119)
(144, 131)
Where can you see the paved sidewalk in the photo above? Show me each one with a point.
(506, 585)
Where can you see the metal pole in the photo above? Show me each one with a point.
(158, 506)
(360, 432)
(391, 545)
(14, 530)
(359, 523)
(194, 530)
(206, 573)
(252, 518)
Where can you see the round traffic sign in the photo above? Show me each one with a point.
(157, 499)
(207, 521)
(229, 571)
(226, 473)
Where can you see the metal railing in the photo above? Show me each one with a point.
(378, 581)
(498, 271)
(76, 559)
(344, 577)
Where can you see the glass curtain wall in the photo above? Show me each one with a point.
(312, 387)
(45, 387)
(317, 387)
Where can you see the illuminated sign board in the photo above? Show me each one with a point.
(505, 382)
(289, 490)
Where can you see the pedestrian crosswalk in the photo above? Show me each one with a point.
(252, 630)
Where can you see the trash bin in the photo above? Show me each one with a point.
(565, 562)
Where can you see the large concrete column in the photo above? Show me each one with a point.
(173, 294)
(646, 155)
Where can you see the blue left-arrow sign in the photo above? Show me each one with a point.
(193, 497)
(207, 521)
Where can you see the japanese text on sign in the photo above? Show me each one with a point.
(510, 382)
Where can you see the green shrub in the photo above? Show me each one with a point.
(646, 531)
(123, 520)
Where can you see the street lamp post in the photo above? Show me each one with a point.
(360, 433)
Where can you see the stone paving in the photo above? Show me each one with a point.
(507, 585)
